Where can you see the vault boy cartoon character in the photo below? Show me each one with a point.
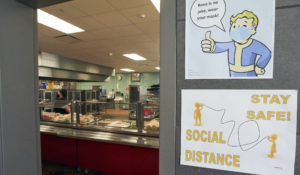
(247, 57)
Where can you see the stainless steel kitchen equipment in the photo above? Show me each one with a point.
(86, 95)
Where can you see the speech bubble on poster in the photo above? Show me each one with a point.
(208, 13)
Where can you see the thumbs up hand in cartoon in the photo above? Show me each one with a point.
(208, 44)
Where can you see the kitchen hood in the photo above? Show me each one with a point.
(56, 67)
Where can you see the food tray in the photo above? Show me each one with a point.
(120, 124)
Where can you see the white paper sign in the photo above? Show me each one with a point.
(249, 131)
(229, 39)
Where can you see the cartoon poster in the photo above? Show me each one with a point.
(228, 39)
(249, 131)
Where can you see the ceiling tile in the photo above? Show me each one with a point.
(97, 35)
(112, 19)
(129, 30)
(93, 45)
(146, 45)
(107, 31)
(49, 44)
(64, 11)
(91, 7)
(155, 37)
(98, 49)
(104, 34)
(130, 40)
(87, 23)
(149, 27)
(67, 39)
(122, 4)
(101, 56)
(46, 31)
(134, 14)
(84, 36)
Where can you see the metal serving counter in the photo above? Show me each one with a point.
(147, 133)
(109, 137)
(131, 124)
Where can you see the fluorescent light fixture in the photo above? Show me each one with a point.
(127, 70)
(156, 3)
(135, 57)
(157, 68)
(57, 23)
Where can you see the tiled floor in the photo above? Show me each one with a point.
(50, 168)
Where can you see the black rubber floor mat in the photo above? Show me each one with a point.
(59, 173)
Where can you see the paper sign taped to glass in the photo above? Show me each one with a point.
(229, 39)
(248, 131)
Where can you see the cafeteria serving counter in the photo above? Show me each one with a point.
(111, 138)
(106, 152)
(102, 136)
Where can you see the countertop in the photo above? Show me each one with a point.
(124, 139)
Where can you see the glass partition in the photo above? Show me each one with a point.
(94, 114)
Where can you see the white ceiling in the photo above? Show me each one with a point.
(112, 26)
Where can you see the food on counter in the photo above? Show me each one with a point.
(83, 120)
(152, 125)
(133, 125)
(46, 117)
(57, 117)
(106, 121)
(120, 124)
(148, 116)
(60, 118)
(49, 116)
(86, 119)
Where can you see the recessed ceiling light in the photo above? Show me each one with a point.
(57, 23)
(157, 68)
(135, 57)
(142, 15)
(156, 3)
(127, 70)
